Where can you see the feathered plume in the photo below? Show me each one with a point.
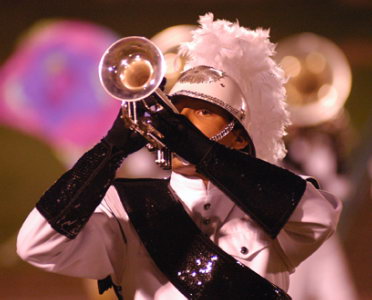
(245, 55)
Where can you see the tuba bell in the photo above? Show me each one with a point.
(319, 78)
(169, 41)
(130, 70)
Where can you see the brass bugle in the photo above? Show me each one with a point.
(130, 70)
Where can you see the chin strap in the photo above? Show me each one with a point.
(224, 132)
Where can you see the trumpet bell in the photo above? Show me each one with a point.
(131, 69)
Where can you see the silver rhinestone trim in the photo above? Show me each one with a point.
(239, 114)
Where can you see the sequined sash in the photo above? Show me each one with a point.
(191, 261)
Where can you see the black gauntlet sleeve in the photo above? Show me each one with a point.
(68, 203)
(268, 193)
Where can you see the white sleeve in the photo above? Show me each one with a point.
(313, 221)
(97, 251)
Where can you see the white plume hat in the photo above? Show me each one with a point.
(250, 84)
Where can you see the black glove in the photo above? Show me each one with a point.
(120, 137)
(181, 136)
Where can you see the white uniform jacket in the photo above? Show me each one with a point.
(109, 245)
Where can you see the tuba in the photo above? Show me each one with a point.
(319, 78)
(130, 70)
(169, 41)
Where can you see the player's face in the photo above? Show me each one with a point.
(210, 119)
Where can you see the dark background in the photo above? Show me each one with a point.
(28, 166)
